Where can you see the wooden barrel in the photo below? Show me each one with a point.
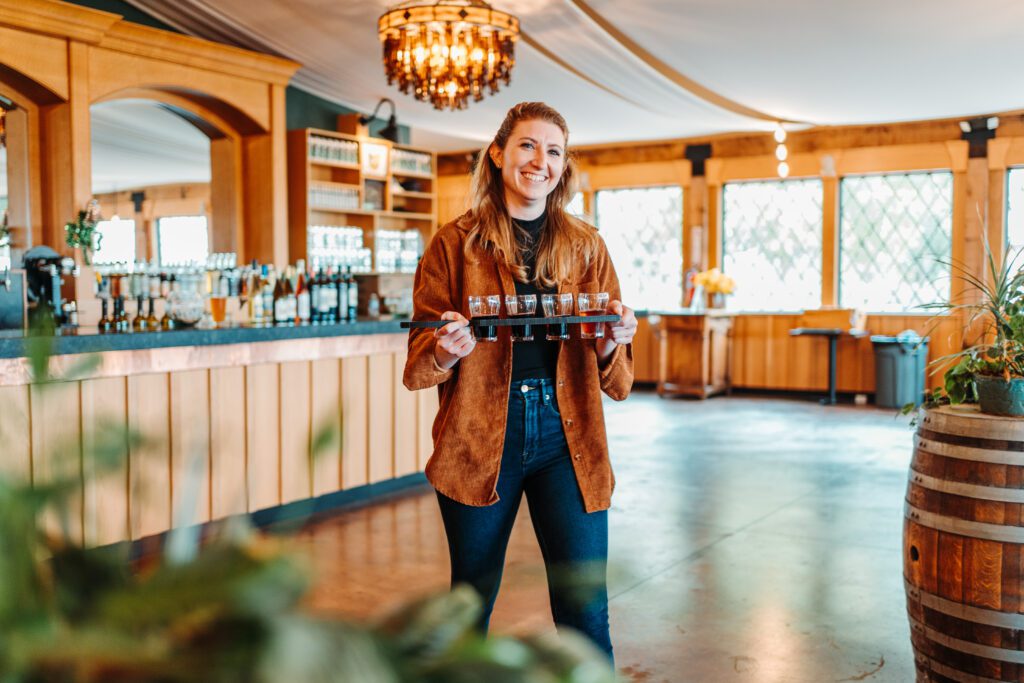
(963, 543)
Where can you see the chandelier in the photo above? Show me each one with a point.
(446, 51)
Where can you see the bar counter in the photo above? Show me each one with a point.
(229, 414)
(91, 340)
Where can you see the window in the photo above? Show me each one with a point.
(576, 206)
(771, 244)
(1015, 209)
(182, 240)
(894, 228)
(643, 229)
(117, 243)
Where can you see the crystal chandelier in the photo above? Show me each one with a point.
(446, 51)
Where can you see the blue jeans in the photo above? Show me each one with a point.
(574, 543)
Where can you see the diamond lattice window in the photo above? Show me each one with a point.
(643, 229)
(894, 228)
(771, 244)
(1015, 209)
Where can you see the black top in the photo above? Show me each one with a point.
(535, 359)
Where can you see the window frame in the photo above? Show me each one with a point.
(839, 229)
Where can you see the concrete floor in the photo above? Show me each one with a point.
(752, 539)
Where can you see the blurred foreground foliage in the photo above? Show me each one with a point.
(223, 611)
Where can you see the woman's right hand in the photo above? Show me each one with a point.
(454, 341)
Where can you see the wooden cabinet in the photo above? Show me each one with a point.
(337, 180)
(694, 353)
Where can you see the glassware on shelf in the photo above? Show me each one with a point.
(186, 303)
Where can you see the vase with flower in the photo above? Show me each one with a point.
(716, 284)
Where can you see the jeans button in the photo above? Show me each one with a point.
(523, 388)
(547, 397)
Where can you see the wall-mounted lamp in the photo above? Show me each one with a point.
(388, 132)
(977, 132)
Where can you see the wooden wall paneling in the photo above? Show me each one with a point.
(55, 441)
(105, 413)
(452, 197)
(225, 210)
(279, 174)
(426, 411)
(228, 435)
(779, 354)
(752, 345)
(191, 437)
(355, 426)
(22, 174)
(262, 436)
(975, 216)
(695, 218)
(326, 411)
(405, 436)
(150, 464)
(645, 352)
(380, 399)
(296, 427)
(15, 434)
(56, 445)
(961, 238)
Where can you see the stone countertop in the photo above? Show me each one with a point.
(86, 340)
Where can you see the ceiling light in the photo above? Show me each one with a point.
(780, 133)
(781, 152)
(783, 169)
(446, 51)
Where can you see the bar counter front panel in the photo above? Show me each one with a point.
(231, 414)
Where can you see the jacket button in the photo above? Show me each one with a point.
(568, 423)
(561, 383)
(577, 456)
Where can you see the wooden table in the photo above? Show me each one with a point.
(833, 334)
(694, 351)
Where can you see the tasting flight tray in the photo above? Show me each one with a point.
(506, 322)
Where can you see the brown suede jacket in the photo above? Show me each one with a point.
(469, 430)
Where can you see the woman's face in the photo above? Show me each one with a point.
(531, 165)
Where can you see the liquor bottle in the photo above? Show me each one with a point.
(254, 296)
(106, 323)
(303, 307)
(167, 322)
(292, 311)
(280, 303)
(315, 286)
(152, 322)
(353, 297)
(139, 322)
(339, 306)
(267, 289)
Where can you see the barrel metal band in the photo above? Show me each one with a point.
(969, 452)
(994, 493)
(963, 527)
(998, 653)
(951, 673)
(977, 615)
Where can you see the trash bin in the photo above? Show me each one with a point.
(900, 364)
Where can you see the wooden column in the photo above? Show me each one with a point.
(830, 242)
(695, 215)
(712, 232)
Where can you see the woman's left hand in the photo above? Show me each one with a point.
(621, 332)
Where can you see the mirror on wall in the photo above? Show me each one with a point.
(13, 179)
(151, 173)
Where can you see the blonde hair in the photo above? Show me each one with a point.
(564, 238)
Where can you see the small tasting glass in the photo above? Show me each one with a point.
(485, 307)
(592, 304)
(557, 306)
(521, 305)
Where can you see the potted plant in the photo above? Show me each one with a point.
(989, 371)
(81, 232)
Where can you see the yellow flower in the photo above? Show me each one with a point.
(714, 281)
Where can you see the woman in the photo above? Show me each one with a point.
(524, 417)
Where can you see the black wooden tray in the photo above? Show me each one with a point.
(506, 322)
